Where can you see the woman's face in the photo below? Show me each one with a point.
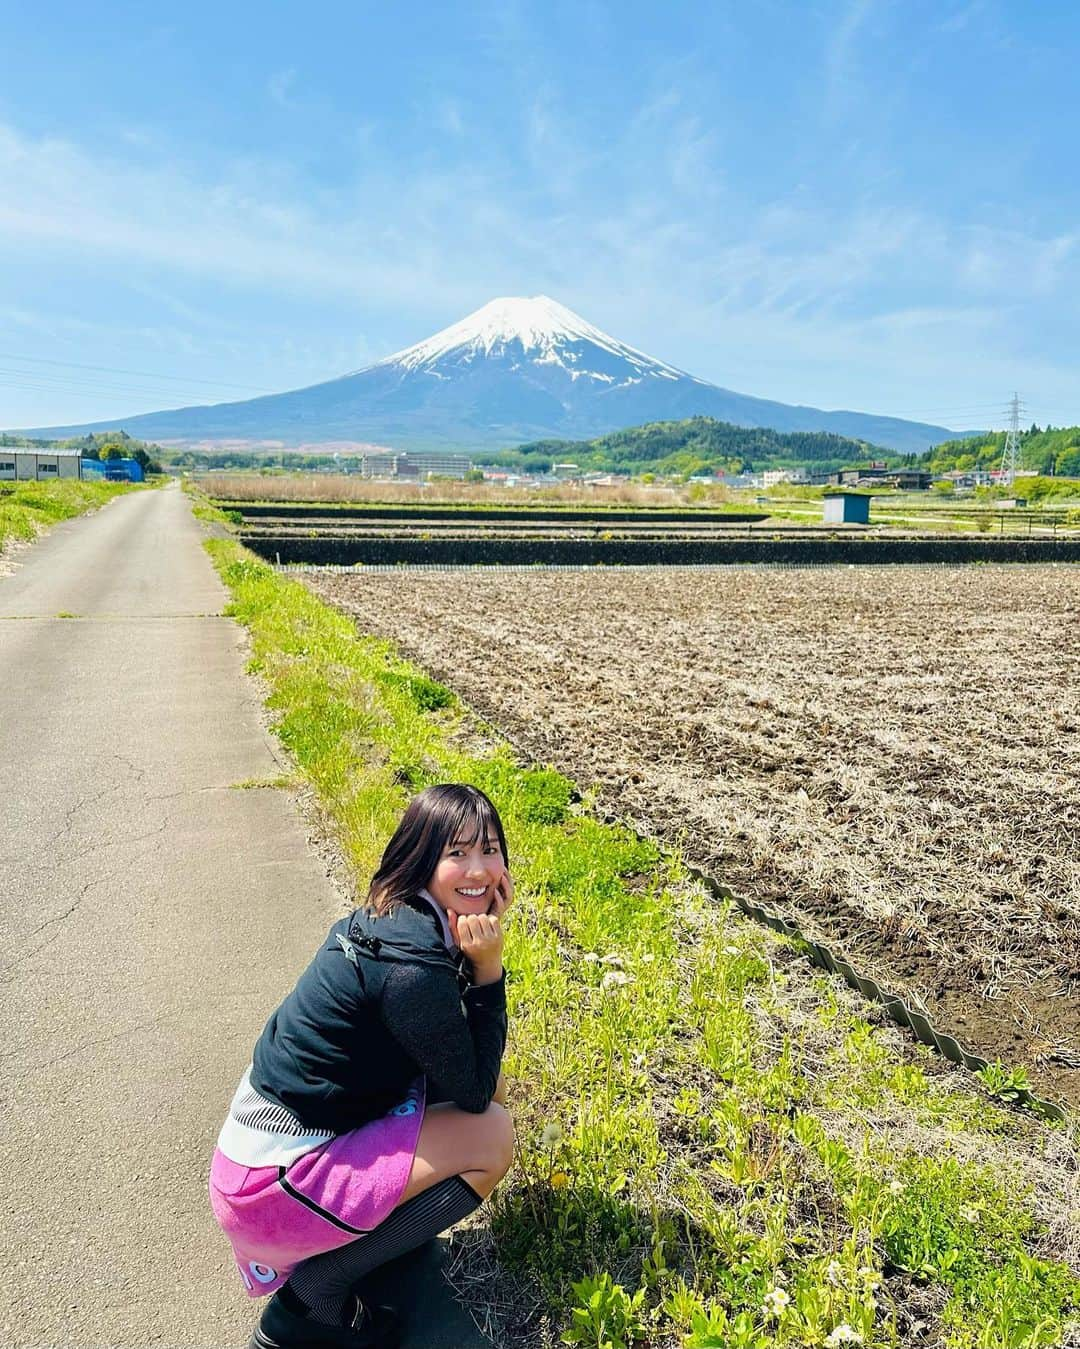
(466, 875)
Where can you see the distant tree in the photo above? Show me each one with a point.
(474, 475)
(112, 451)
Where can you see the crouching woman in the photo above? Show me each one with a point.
(372, 1116)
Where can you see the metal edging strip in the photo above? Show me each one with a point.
(895, 1007)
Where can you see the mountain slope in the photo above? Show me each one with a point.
(516, 369)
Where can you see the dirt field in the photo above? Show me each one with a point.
(889, 755)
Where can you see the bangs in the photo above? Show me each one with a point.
(473, 819)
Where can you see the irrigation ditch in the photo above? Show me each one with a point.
(356, 550)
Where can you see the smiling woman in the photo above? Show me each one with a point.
(371, 1116)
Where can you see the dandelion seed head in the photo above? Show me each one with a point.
(591, 958)
(614, 979)
(896, 1187)
(551, 1135)
(835, 1273)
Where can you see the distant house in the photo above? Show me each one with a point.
(773, 477)
(906, 479)
(909, 479)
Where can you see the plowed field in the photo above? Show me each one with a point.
(890, 756)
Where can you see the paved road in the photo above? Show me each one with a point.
(152, 916)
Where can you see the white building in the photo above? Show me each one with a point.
(772, 477)
(18, 462)
(416, 466)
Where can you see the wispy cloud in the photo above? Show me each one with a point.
(841, 54)
(790, 299)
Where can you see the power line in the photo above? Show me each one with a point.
(20, 379)
(138, 374)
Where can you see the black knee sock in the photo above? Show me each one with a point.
(323, 1282)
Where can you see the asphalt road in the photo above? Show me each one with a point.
(153, 915)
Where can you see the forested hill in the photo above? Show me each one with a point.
(690, 446)
(1051, 451)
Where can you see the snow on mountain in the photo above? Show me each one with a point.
(545, 331)
(518, 369)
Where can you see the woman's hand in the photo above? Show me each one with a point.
(504, 895)
(480, 937)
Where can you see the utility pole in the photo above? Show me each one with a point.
(1010, 458)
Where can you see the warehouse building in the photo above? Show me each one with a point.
(25, 465)
(414, 465)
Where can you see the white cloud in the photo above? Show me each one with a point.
(790, 299)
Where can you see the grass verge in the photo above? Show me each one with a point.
(716, 1146)
(29, 508)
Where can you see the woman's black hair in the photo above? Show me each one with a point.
(446, 813)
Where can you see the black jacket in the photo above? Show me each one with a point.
(382, 1001)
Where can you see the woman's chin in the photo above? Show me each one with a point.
(460, 904)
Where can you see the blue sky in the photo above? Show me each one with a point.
(871, 204)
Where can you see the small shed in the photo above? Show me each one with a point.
(846, 508)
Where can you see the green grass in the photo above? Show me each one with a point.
(716, 1145)
(27, 508)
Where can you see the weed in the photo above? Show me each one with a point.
(606, 1316)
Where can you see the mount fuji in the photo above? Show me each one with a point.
(514, 370)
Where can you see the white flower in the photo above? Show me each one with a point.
(775, 1302)
(731, 950)
(842, 1334)
(611, 960)
(591, 958)
(551, 1135)
(835, 1273)
(970, 1214)
(614, 979)
(896, 1187)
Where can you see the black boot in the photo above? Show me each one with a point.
(283, 1325)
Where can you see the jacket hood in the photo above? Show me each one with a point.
(407, 934)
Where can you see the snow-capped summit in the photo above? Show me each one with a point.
(538, 328)
(517, 369)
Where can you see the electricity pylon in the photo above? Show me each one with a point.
(1010, 457)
